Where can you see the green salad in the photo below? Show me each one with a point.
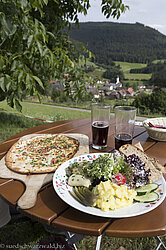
(102, 168)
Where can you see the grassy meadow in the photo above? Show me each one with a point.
(12, 121)
(137, 77)
(126, 67)
(10, 124)
(46, 112)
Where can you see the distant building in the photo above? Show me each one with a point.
(122, 92)
(91, 89)
(114, 95)
(149, 89)
(117, 80)
(130, 92)
(141, 86)
(107, 88)
(116, 85)
(96, 96)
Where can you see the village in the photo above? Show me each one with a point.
(109, 89)
(115, 90)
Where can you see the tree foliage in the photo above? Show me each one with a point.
(154, 103)
(112, 72)
(34, 47)
(159, 77)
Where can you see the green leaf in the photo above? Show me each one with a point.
(4, 24)
(24, 3)
(39, 97)
(2, 63)
(7, 82)
(10, 100)
(45, 1)
(18, 105)
(14, 65)
(20, 76)
(37, 79)
(40, 47)
(28, 81)
(52, 35)
(30, 41)
(2, 83)
(19, 92)
(8, 86)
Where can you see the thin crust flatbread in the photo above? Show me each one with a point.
(41, 153)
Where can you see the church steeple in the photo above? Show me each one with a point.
(117, 80)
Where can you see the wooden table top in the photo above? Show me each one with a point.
(50, 209)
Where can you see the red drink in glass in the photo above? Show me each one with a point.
(100, 133)
(122, 139)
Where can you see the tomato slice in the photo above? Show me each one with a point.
(119, 179)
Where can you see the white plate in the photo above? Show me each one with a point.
(62, 189)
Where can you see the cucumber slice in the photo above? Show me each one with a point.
(147, 188)
(149, 197)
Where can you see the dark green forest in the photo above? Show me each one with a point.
(120, 42)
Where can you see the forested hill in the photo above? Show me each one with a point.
(121, 41)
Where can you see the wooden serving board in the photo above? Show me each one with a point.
(34, 182)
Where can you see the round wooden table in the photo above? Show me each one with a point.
(51, 210)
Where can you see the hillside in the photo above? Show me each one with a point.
(120, 41)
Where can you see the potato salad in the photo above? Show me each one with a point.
(112, 196)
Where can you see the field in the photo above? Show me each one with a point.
(46, 112)
(137, 77)
(126, 67)
(11, 124)
(54, 113)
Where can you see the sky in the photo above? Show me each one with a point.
(151, 13)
